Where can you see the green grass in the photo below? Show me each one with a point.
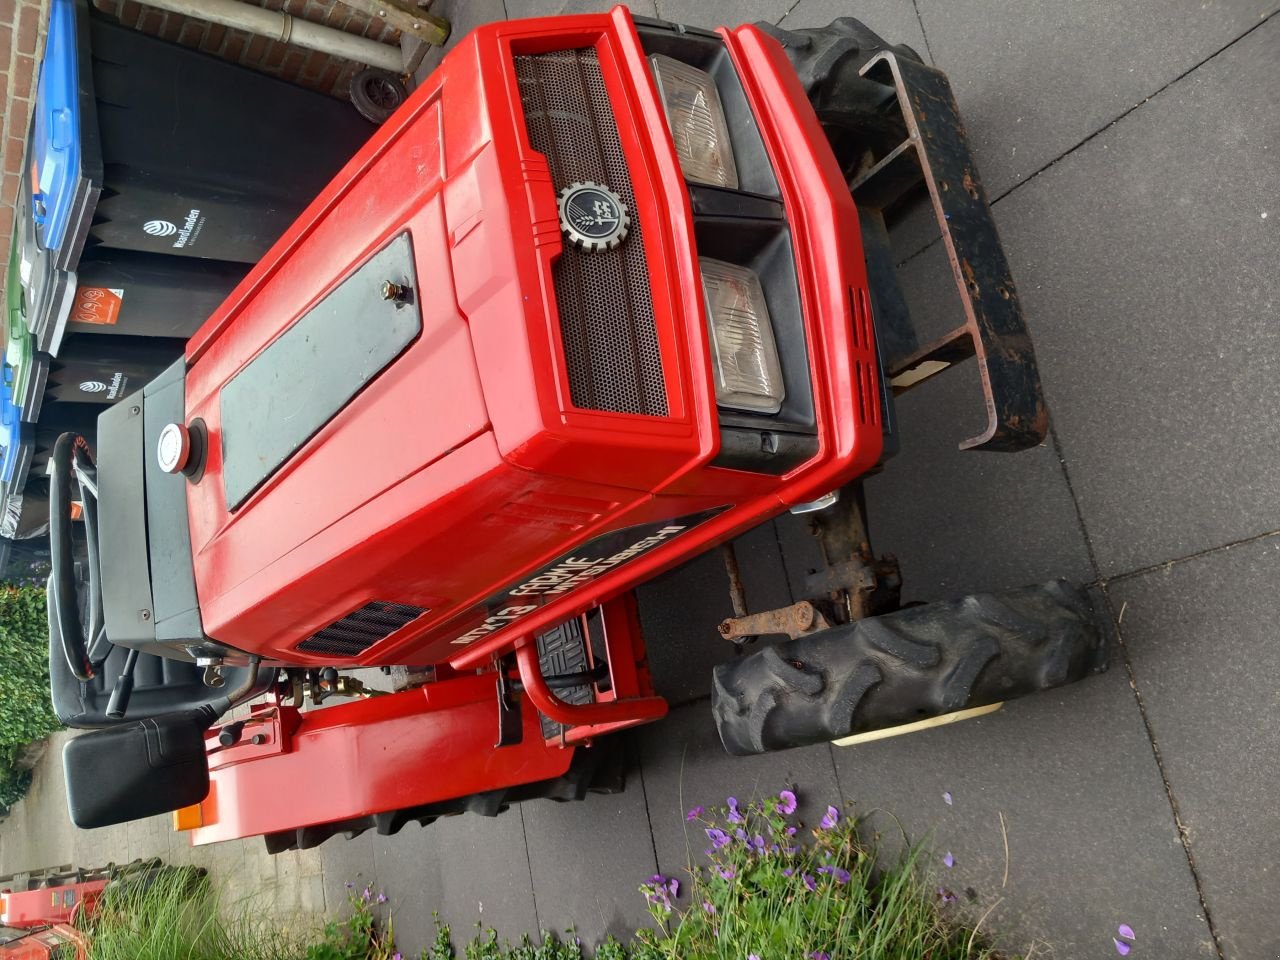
(766, 889)
(180, 915)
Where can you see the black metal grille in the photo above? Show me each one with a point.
(358, 631)
(606, 308)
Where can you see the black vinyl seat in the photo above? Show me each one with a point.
(162, 685)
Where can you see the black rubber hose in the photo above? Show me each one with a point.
(62, 581)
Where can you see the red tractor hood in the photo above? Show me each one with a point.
(467, 446)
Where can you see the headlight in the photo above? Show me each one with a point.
(745, 357)
(696, 118)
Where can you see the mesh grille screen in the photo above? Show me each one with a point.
(606, 309)
(357, 632)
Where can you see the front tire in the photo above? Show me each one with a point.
(905, 666)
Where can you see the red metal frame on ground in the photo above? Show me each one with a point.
(49, 905)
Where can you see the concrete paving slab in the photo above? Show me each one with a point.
(1033, 79)
(1092, 842)
(409, 870)
(716, 13)
(588, 860)
(547, 8)
(347, 861)
(679, 612)
(895, 20)
(484, 867)
(468, 869)
(38, 831)
(1147, 264)
(966, 521)
(1202, 640)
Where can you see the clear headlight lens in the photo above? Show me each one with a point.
(744, 356)
(696, 118)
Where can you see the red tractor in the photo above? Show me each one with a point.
(605, 293)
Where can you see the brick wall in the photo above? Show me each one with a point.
(22, 25)
(307, 68)
(21, 35)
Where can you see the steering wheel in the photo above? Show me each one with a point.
(85, 646)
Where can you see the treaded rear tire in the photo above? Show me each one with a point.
(904, 666)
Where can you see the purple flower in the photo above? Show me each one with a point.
(1122, 948)
(741, 834)
(397, 956)
(946, 797)
(753, 956)
(718, 838)
(825, 869)
(726, 872)
(791, 831)
(708, 906)
(382, 898)
(659, 891)
(1126, 931)
(949, 860)
(809, 882)
(787, 872)
(734, 815)
(842, 876)
(946, 896)
(819, 955)
(786, 802)
(758, 842)
(693, 814)
(831, 819)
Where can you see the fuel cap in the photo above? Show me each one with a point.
(174, 448)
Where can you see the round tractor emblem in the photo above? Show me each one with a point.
(160, 228)
(92, 386)
(593, 217)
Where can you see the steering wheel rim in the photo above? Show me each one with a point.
(64, 608)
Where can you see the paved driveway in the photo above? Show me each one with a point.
(1133, 153)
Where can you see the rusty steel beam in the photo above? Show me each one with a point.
(407, 17)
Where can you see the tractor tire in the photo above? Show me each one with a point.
(906, 666)
(601, 768)
(377, 94)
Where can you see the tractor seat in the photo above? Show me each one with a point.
(160, 685)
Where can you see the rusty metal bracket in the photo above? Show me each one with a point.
(934, 149)
(797, 620)
(407, 17)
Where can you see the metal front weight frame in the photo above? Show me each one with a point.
(894, 126)
(936, 151)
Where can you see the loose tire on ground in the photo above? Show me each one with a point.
(904, 666)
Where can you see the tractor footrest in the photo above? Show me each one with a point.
(562, 652)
